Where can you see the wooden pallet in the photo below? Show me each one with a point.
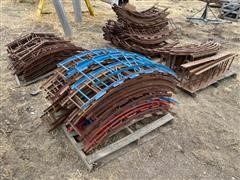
(109, 152)
(26, 83)
(214, 82)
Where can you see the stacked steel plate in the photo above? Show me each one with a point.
(143, 32)
(36, 54)
(198, 65)
(95, 93)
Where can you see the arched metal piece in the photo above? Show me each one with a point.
(123, 66)
(97, 92)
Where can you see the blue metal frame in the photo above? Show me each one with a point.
(128, 63)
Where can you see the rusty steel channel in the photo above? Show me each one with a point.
(201, 73)
(198, 65)
(175, 56)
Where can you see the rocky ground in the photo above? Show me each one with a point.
(203, 142)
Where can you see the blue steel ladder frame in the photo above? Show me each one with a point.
(124, 62)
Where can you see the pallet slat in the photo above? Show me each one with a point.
(92, 159)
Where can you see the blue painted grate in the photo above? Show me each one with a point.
(102, 69)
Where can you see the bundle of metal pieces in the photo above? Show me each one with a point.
(96, 93)
(174, 57)
(150, 18)
(143, 32)
(204, 72)
(36, 54)
(198, 65)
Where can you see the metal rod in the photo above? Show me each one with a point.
(62, 17)
(77, 10)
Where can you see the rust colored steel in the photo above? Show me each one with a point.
(200, 73)
(175, 56)
(148, 18)
(198, 65)
(36, 54)
(97, 92)
(143, 32)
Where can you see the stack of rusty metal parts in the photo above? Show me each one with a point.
(199, 65)
(142, 32)
(175, 56)
(98, 92)
(36, 54)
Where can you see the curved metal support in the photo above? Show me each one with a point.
(125, 66)
(105, 89)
